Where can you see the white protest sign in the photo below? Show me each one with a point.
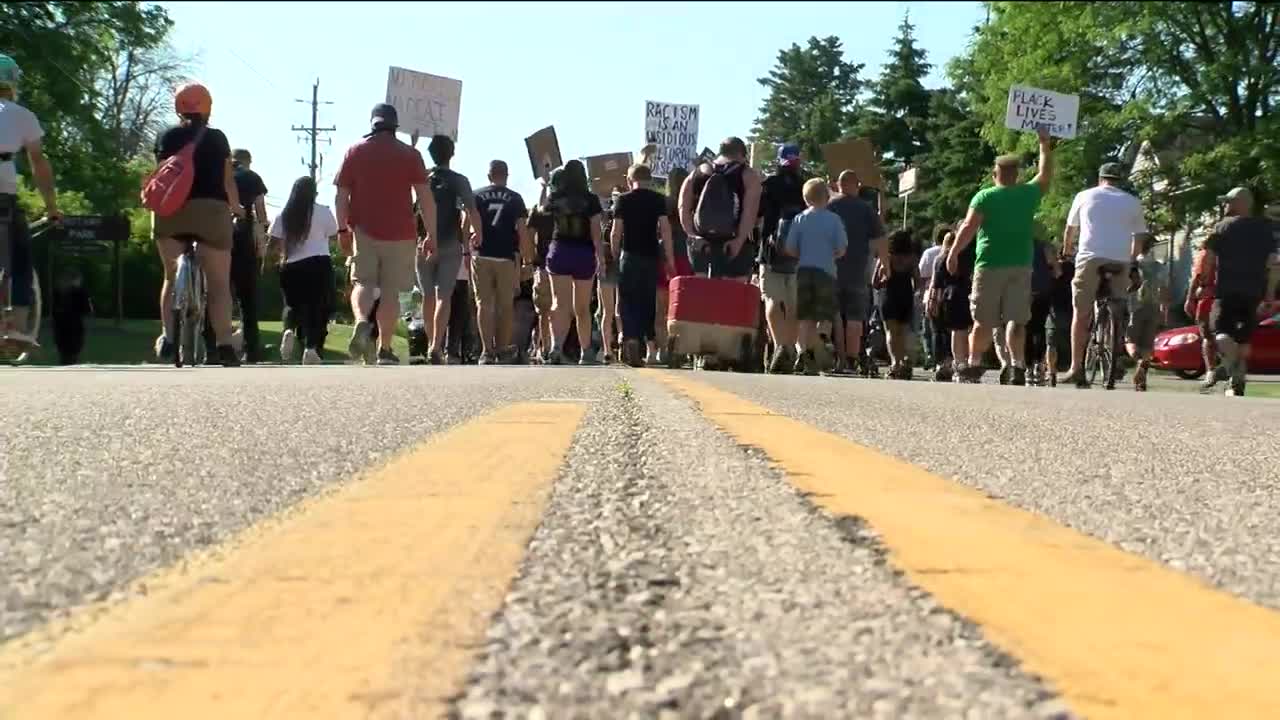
(1030, 108)
(674, 130)
(426, 103)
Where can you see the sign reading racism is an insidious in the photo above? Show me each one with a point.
(674, 130)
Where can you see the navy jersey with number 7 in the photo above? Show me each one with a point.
(501, 210)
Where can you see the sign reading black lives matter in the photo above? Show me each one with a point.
(674, 129)
(1030, 108)
(426, 103)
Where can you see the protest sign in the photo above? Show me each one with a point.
(426, 103)
(907, 181)
(1030, 108)
(544, 152)
(761, 154)
(674, 130)
(707, 155)
(856, 154)
(608, 171)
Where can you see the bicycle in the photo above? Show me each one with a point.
(1106, 332)
(16, 343)
(188, 312)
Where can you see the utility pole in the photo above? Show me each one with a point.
(313, 132)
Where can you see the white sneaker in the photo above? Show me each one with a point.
(311, 357)
(287, 342)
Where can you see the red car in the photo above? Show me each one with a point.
(1178, 349)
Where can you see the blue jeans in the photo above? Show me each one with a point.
(637, 295)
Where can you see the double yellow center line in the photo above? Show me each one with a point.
(371, 601)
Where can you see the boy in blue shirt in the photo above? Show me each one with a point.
(816, 237)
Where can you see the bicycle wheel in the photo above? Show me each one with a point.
(179, 325)
(1115, 344)
(1093, 354)
(198, 311)
(1106, 348)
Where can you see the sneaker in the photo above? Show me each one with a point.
(226, 356)
(943, 374)
(1217, 375)
(588, 359)
(1019, 377)
(434, 358)
(371, 353)
(288, 342)
(165, 349)
(554, 358)
(386, 357)
(1005, 373)
(359, 342)
(311, 357)
(971, 374)
(485, 359)
(1140, 377)
(1236, 389)
(807, 363)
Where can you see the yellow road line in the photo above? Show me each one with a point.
(368, 603)
(1118, 635)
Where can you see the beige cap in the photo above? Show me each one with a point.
(1237, 192)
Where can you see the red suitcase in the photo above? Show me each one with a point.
(713, 316)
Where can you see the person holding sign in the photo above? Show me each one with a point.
(376, 226)
(1002, 219)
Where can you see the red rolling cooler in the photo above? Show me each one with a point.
(713, 316)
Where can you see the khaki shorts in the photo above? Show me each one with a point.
(385, 264)
(542, 291)
(1001, 294)
(1144, 323)
(494, 282)
(1084, 286)
(207, 219)
(779, 287)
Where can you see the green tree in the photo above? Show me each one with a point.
(66, 50)
(899, 105)
(1144, 71)
(813, 97)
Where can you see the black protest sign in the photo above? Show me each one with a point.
(544, 152)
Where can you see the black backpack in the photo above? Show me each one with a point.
(444, 192)
(718, 210)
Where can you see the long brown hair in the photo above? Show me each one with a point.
(295, 218)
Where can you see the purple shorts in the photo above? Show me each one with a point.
(573, 259)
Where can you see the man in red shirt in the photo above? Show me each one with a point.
(376, 222)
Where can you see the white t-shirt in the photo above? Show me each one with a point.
(323, 226)
(18, 128)
(928, 261)
(1107, 217)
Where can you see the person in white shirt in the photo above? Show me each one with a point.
(1108, 222)
(300, 237)
(928, 261)
(19, 130)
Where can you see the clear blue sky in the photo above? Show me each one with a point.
(523, 66)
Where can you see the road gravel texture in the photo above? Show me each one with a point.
(1187, 480)
(675, 575)
(107, 475)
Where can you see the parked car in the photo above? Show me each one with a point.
(1178, 349)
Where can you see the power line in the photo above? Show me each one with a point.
(313, 132)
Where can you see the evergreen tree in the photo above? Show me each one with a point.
(812, 97)
(899, 102)
(959, 158)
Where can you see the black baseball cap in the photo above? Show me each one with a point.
(1111, 171)
(384, 117)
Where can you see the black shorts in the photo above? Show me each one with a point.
(710, 255)
(897, 307)
(852, 302)
(1057, 327)
(1234, 316)
(956, 313)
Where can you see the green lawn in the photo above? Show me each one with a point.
(133, 341)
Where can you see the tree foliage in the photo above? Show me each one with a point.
(898, 108)
(67, 51)
(1167, 73)
(813, 96)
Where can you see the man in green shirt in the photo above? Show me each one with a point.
(1002, 218)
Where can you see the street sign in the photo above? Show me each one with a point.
(91, 234)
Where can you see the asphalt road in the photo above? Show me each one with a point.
(668, 568)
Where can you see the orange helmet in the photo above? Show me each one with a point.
(193, 98)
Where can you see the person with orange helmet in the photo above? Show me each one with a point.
(205, 217)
